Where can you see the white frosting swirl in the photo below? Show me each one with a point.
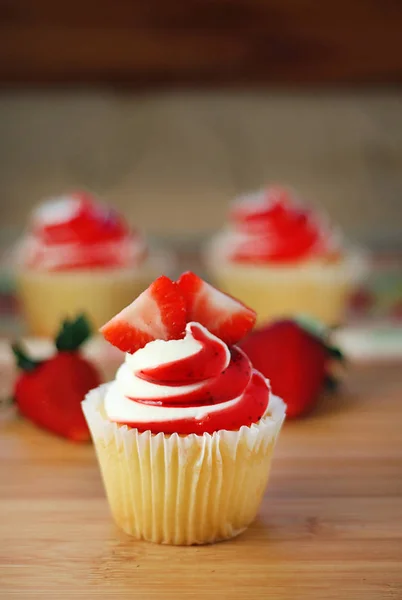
(261, 236)
(36, 251)
(120, 404)
(55, 211)
(32, 252)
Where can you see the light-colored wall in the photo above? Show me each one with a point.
(172, 161)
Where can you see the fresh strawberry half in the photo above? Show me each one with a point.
(296, 358)
(50, 392)
(158, 313)
(222, 315)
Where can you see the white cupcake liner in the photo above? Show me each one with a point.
(183, 490)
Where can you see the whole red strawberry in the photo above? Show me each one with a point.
(295, 359)
(50, 392)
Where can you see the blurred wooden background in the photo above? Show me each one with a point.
(201, 41)
(168, 109)
(173, 161)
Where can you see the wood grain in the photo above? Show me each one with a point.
(200, 42)
(330, 525)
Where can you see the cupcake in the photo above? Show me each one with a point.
(185, 433)
(282, 258)
(79, 256)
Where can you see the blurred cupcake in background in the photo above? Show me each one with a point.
(282, 258)
(78, 255)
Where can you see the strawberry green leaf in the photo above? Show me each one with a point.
(24, 362)
(72, 334)
(322, 333)
(331, 383)
(312, 326)
(335, 353)
(6, 402)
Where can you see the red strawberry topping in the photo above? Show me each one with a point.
(274, 227)
(88, 223)
(158, 313)
(222, 315)
(295, 361)
(50, 392)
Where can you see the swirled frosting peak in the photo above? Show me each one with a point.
(274, 226)
(75, 231)
(192, 385)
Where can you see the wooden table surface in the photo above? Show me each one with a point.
(330, 525)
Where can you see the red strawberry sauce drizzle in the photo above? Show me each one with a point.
(218, 385)
(91, 223)
(250, 409)
(276, 230)
(209, 362)
(94, 236)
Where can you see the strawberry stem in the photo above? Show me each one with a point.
(6, 402)
(24, 362)
(312, 326)
(331, 383)
(335, 353)
(320, 332)
(72, 334)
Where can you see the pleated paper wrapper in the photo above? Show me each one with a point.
(183, 490)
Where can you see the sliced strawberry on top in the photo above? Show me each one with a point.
(222, 315)
(158, 313)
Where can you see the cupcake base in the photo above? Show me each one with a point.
(183, 490)
(318, 290)
(47, 298)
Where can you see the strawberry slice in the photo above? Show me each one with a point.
(222, 315)
(158, 313)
